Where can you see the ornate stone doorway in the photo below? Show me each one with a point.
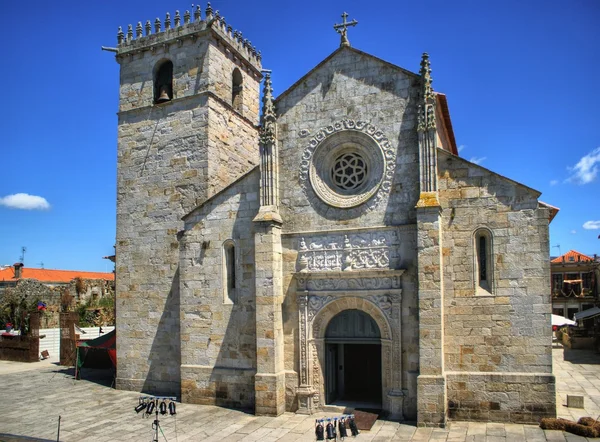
(353, 370)
(375, 295)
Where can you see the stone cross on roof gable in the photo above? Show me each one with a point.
(342, 29)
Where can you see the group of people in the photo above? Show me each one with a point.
(330, 428)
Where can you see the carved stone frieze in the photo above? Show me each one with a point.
(354, 251)
(351, 284)
(384, 302)
(316, 303)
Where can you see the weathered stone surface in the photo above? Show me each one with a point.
(171, 157)
(249, 327)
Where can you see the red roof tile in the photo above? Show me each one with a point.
(47, 275)
(577, 257)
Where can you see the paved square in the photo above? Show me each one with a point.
(35, 395)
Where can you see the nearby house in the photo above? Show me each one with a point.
(48, 285)
(10, 277)
(575, 279)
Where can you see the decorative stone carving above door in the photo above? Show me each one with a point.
(321, 296)
(349, 251)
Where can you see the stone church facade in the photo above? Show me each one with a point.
(335, 251)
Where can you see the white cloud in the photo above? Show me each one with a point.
(477, 160)
(586, 170)
(591, 225)
(553, 182)
(461, 148)
(24, 201)
(573, 232)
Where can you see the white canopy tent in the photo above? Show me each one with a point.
(559, 321)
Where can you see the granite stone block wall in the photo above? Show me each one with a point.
(218, 334)
(498, 356)
(171, 158)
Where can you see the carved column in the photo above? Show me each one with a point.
(305, 390)
(396, 393)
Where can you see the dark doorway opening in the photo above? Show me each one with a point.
(353, 361)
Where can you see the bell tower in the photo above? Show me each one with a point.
(187, 128)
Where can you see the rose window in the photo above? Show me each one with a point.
(347, 168)
(349, 171)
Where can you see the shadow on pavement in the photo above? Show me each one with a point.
(581, 356)
(15, 438)
(100, 376)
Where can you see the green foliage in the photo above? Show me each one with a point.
(15, 309)
(96, 312)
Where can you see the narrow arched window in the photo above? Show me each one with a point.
(163, 82)
(237, 89)
(483, 262)
(229, 276)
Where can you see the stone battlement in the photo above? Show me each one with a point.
(176, 29)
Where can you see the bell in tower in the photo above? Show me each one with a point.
(163, 83)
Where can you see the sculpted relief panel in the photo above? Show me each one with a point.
(350, 269)
(354, 251)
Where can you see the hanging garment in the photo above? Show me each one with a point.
(319, 431)
(353, 427)
(342, 428)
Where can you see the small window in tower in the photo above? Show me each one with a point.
(163, 82)
(229, 277)
(483, 265)
(237, 89)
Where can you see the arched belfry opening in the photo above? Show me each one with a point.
(353, 374)
(237, 89)
(163, 82)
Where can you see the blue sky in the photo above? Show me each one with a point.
(522, 80)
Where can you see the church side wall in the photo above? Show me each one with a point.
(498, 355)
(359, 88)
(218, 335)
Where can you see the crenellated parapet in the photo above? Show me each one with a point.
(174, 30)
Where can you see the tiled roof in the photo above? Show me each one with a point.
(47, 275)
(577, 257)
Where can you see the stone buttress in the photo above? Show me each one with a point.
(431, 396)
(270, 375)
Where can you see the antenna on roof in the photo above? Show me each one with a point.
(42, 264)
(22, 257)
(557, 245)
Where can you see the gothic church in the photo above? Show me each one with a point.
(324, 247)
